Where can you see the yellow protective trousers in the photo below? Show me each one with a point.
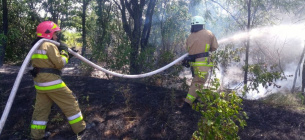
(67, 103)
(51, 89)
(200, 42)
(197, 83)
(201, 69)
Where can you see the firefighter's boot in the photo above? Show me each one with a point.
(81, 134)
(185, 108)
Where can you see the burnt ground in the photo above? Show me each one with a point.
(128, 110)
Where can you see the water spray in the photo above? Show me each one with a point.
(284, 41)
(27, 60)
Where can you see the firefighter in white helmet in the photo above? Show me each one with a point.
(198, 44)
(48, 60)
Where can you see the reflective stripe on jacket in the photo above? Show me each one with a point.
(200, 42)
(50, 85)
(48, 56)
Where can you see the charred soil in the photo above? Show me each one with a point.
(131, 110)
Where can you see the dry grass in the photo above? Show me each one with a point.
(285, 99)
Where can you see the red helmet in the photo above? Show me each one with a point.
(46, 29)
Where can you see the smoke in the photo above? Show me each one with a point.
(281, 45)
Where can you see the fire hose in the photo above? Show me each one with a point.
(28, 58)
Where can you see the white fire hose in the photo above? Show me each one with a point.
(28, 58)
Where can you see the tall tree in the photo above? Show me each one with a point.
(133, 29)
(248, 43)
(103, 21)
(5, 30)
(52, 7)
(84, 32)
(147, 24)
(60, 11)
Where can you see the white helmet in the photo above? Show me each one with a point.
(197, 20)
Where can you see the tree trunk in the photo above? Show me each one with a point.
(296, 71)
(85, 3)
(135, 9)
(53, 11)
(248, 44)
(135, 39)
(147, 24)
(5, 30)
(100, 25)
(303, 77)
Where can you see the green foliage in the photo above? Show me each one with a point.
(86, 70)
(166, 58)
(21, 31)
(146, 59)
(72, 39)
(261, 74)
(221, 114)
(57, 118)
(120, 57)
(226, 55)
(171, 28)
(2, 36)
(164, 78)
(301, 97)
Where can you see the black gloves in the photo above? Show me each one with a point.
(34, 72)
(185, 63)
(63, 49)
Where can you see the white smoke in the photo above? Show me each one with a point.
(282, 42)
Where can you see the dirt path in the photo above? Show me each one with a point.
(129, 110)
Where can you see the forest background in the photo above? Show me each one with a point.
(137, 36)
(261, 42)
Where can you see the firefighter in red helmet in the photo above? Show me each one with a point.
(47, 62)
(199, 44)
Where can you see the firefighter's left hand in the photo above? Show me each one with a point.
(63, 49)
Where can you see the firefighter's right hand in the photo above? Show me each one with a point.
(185, 63)
(63, 49)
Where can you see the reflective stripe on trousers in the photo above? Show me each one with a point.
(190, 97)
(38, 124)
(75, 118)
(50, 85)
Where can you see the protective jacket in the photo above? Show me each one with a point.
(200, 42)
(50, 88)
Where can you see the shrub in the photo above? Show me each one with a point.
(221, 114)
